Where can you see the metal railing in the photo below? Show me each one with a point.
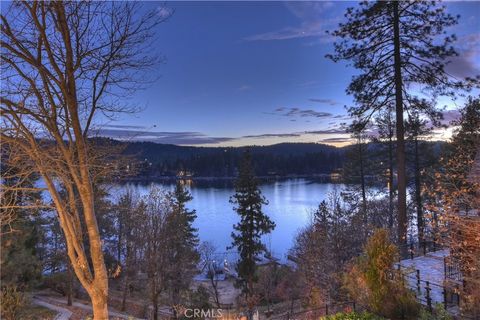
(451, 269)
(417, 249)
(316, 313)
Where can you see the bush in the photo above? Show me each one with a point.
(353, 316)
(439, 313)
(58, 282)
(13, 301)
(371, 281)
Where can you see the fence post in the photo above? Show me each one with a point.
(354, 307)
(444, 297)
(424, 245)
(418, 281)
(445, 268)
(429, 298)
(411, 250)
(326, 309)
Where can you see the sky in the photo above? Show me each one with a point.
(255, 73)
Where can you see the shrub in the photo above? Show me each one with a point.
(371, 282)
(13, 301)
(439, 313)
(58, 282)
(353, 316)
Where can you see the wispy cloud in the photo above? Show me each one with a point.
(336, 140)
(180, 138)
(330, 102)
(311, 25)
(122, 126)
(297, 112)
(274, 135)
(164, 12)
(466, 64)
(449, 116)
(244, 87)
(198, 138)
(297, 134)
(326, 131)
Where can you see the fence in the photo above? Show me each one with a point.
(417, 249)
(428, 293)
(316, 313)
(452, 271)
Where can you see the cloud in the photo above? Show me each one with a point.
(311, 25)
(244, 87)
(122, 126)
(274, 135)
(179, 138)
(466, 64)
(296, 134)
(297, 112)
(198, 138)
(336, 140)
(164, 12)
(326, 131)
(449, 116)
(330, 102)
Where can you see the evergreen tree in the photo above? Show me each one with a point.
(19, 233)
(183, 253)
(254, 223)
(386, 131)
(396, 44)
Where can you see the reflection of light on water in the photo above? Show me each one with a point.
(186, 182)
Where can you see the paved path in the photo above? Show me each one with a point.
(62, 313)
(431, 269)
(83, 306)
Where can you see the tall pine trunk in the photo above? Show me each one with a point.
(390, 180)
(364, 195)
(418, 196)
(401, 172)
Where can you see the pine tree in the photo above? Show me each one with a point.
(254, 223)
(183, 253)
(396, 44)
(19, 229)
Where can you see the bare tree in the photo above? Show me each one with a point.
(207, 253)
(157, 238)
(63, 63)
(129, 236)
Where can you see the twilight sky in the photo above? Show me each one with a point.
(241, 73)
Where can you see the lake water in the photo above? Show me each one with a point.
(291, 203)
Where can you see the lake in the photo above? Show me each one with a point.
(291, 203)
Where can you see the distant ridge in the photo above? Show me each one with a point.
(283, 159)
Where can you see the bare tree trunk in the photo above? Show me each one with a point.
(155, 306)
(401, 171)
(215, 289)
(125, 292)
(99, 306)
(69, 284)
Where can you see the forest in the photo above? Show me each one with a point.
(399, 238)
